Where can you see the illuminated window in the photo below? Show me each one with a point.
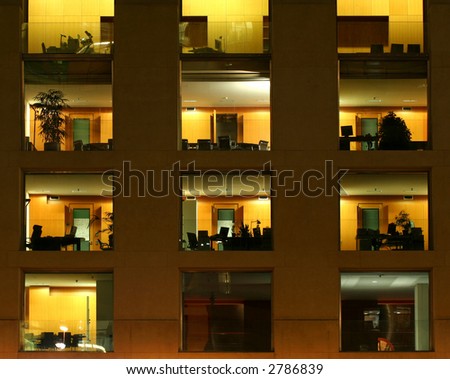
(227, 107)
(364, 23)
(384, 211)
(385, 311)
(68, 212)
(224, 26)
(68, 312)
(223, 211)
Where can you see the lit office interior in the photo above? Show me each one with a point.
(227, 311)
(71, 55)
(226, 212)
(225, 95)
(68, 312)
(71, 27)
(68, 212)
(373, 207)
(87, 90)
(224, 26)
(389, 24)
(225, 104)
(383, 68)
(385, 311)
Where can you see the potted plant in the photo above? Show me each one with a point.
(393, 133)
(403, 220)
(49, 112)
(109, 221)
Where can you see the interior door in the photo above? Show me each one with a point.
(79, 215)
(227, 125)
(215, 217)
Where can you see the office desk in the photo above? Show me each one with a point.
(344, 142)
(251, 243)
(399, 242)
(75, 241)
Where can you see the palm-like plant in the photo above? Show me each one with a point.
(108, 219)
(49, 111)
(393, 132)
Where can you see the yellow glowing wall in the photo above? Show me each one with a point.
(48, 19)
(417, 208)
(50, 307)
(254, 209)
(240, 23)
(256, 123)
(405, 18)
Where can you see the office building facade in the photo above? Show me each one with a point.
(233, 179)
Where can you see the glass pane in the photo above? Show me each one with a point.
(385, 311)
(68, 312)
(227, 311)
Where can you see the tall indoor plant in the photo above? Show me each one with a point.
(393, 132)
(49, 112)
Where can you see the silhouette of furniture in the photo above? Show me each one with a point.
(70, 239)
(37, 242)
(194, 243)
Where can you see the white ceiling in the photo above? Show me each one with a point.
(365, 184)
(394, 183)
(381, 285)
(65, 279)
(66, 185)
(254, 93)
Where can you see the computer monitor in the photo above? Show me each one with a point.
(347, 130)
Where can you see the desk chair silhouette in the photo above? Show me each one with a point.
(413, 48)
(69, 238)
(392, 229)
(377, 49)
(397, 48)
(35, 238)
(192, 239)
(78, 145)
(204, 144)
(222, 235)
(263, 145)
(203, 240)
(224, 143)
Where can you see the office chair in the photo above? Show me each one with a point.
(78, 145)
(224, 142)
(263, 145)
(222, 235)
(377, 49)
(35, 238)
(392, 229)
(397, 48)
(69, 238)
(413, 48)
(184, 144)
(192, 238)
(204, 144)
(203, 240)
